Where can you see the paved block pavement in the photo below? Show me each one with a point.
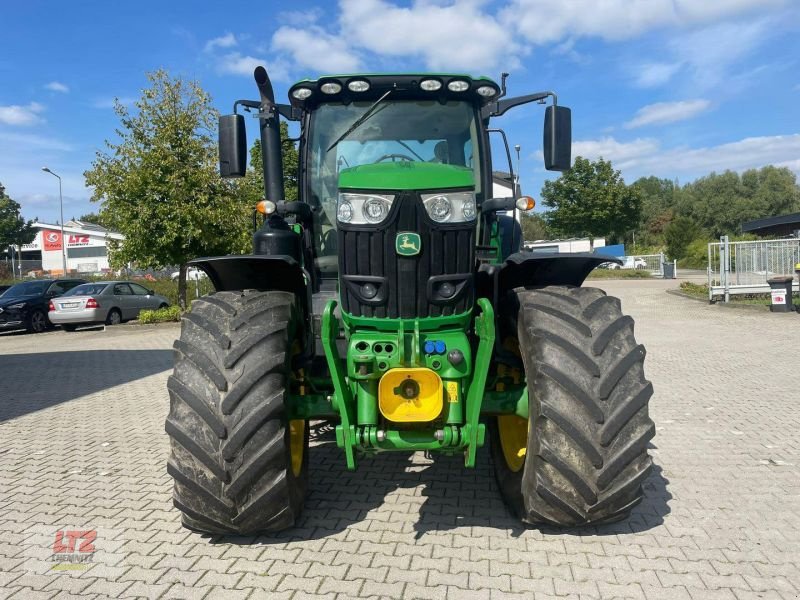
(83, 449)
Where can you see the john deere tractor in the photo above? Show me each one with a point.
(394, 300)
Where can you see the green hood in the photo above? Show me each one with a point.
(405, 175)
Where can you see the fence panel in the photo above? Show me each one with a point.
(653, 263)
(745, 267)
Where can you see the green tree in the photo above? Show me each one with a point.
(252, 184)
(658, 202)
(681, 232)
(158, 183)
(721, 202)
(534, 227)
(13, 228)
(591, 199)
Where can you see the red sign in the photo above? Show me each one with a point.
(51, 239)
(78, 240)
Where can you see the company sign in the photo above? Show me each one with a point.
(51, 239)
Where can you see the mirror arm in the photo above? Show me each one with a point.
(287, 111)
(500, 107)
(247, 104)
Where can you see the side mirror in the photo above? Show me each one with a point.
(232, 146)
(557, 138)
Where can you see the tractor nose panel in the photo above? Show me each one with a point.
(412, 395)
(408, 266)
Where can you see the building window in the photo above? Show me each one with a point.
(87, 252)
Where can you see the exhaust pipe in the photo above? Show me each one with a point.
(270, 138)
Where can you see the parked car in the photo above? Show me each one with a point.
(108, 302)
(24, 305)
(630, 262)
(192, 274)
(3, 288)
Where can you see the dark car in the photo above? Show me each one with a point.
(25, 305)
(3, 288)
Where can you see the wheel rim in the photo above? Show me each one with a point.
(513, 432)
(38, 322)
(114, 319)
(297, 434)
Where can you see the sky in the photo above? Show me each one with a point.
(672, 88)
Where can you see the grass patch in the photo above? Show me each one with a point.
(162, 315)
(696, 290)
(620, 274)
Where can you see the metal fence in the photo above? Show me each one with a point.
(20, 268)
(650, 262)
(744, 267)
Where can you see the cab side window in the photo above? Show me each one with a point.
(57, 288)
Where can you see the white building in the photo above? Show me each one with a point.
(570, 245)
(86, 246)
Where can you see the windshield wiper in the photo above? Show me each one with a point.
(357, 123)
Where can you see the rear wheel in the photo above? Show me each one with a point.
(239, 464)
(114, 317)
(581, 456)
(37, 322)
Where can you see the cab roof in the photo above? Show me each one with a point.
(308, 93)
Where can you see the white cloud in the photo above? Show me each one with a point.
(645, 156)
(55, 86)
(655, 74)
(16, 114)
(545, 21)
(617, 152)
(713, 54)
(667, 112)
(18, 142)
(445, 36)
(300, 18)
(315, 49)
(225, 41)
(236, 63)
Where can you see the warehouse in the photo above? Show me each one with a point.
(86, 246)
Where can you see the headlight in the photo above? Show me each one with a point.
(363, 209)
(451, 207)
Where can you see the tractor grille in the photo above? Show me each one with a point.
(406, 286)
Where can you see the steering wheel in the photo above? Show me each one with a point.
(394, 156)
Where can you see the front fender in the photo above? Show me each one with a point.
(256, 272)
(526, 269)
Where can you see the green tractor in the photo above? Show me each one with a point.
(393, 300)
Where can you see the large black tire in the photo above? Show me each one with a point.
(231, 443)
(585, 450)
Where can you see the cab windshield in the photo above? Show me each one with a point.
(402, 130)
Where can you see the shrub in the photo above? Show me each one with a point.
(696, 255)
(162, 315)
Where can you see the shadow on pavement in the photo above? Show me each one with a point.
(31, 382)
(454, 497)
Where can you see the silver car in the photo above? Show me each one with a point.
(109, 302)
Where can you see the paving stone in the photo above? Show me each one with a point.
(719, 518)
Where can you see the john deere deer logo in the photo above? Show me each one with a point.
(407, 243)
